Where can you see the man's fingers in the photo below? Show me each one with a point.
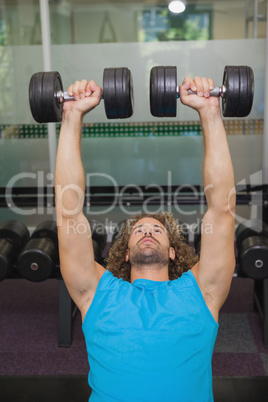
(188, 83)
(203, 86)
(75, 90)
(205, 83)
(199, 86)
(211, 84)
(83, 89)
(70, 90)
(95, 89)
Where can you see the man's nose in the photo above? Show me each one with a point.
(147, 232)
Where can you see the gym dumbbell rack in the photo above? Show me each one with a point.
(24, 197)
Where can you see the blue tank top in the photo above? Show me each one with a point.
(149, 341)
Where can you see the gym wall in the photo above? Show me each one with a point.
(141, 150)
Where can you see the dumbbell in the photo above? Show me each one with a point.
(46, 95)
(99, 239)
(118, 230)
(237, 91)
(38, 259)
(252, 247)
(197, 238)
(13, 236)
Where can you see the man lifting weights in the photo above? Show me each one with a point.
(151, 319)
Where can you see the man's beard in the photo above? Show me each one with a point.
(148, 257)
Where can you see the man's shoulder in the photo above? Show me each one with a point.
(108, 280)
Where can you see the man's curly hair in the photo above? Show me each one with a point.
(185, 257)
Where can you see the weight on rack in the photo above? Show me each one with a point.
(46, 95)
(237, 91)
(13, 236)
(38, 259)
(118, 230)
(252, 247)
(99, 239)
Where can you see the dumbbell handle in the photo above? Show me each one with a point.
(63, 97)
(216, 91)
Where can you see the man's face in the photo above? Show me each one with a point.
(149, 243)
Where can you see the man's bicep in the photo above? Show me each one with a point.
(80, 271)
(217, 259)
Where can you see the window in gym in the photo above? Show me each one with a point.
(124, 21)
(2, 30)
(158, 24)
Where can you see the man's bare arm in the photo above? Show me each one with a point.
(80, 272)
(215, 269)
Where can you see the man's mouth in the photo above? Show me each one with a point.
(147, 240)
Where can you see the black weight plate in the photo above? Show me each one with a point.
(231, 81)
(253, 257)
(246, 91)
(47, 229)
(37, 260)
(109, 93)
(99, 233)
(42, 96)
(170, 91)
(118, 230)
(15, 232)
(118, 93)
(124, 89)
(197, 239)
(254, 227)
(97, 251)
(35, 96)
(52, 108)
(163, 91)
(6, 258)
(157, 91)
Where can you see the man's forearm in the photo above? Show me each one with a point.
(69, 174)
(218, 172)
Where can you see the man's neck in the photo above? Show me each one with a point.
(153, 274)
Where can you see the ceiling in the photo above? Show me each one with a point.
(223, 4)
(84, 2)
